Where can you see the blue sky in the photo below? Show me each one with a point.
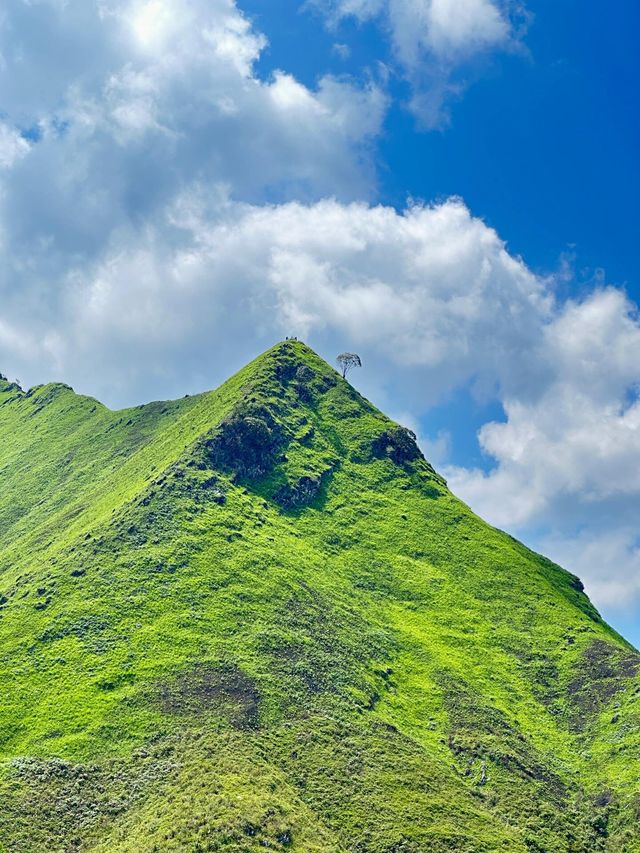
(543, 145)
(446, 186)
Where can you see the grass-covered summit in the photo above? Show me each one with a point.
(257, 618)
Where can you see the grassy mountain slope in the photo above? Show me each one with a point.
(257, 618)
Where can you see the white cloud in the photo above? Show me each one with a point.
(13, 146)
(342, 50)
(174, 85)
(448, 29)
(433, 289)
(580, 435)
(567, 472)
(434, 41)
(164, 103)
(445, 28)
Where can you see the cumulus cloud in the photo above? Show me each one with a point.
(13, 146)
(169, 94)
(112, 108)
(446, 28)
(436, 42)
(566, 458)
(580, 434)
(432, 289)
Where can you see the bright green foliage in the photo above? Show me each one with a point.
(257, 618)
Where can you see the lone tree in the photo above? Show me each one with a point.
(346, 361)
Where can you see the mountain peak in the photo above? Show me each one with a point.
(280, 429)
(286, 357)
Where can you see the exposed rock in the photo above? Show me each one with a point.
(298, 494)
(399, 444)
(604, 672)
(225, 688)
(304, 374)
(247, 443)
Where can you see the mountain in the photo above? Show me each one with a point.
(257, 618)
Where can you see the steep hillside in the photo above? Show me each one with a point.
(257, 618)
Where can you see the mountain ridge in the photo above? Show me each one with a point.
(217, 584)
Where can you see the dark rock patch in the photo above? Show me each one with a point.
(225, 689)
(604, 671)
(285, 370)
(304, 392)
(299, 494)
(575, 583)
(246, 443)
(398, 444)
(304, 374)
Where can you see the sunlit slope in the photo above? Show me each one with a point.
(257, 617)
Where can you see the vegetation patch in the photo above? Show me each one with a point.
(224, 690)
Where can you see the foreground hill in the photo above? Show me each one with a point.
(257, 618)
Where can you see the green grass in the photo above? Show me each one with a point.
(327, 652)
